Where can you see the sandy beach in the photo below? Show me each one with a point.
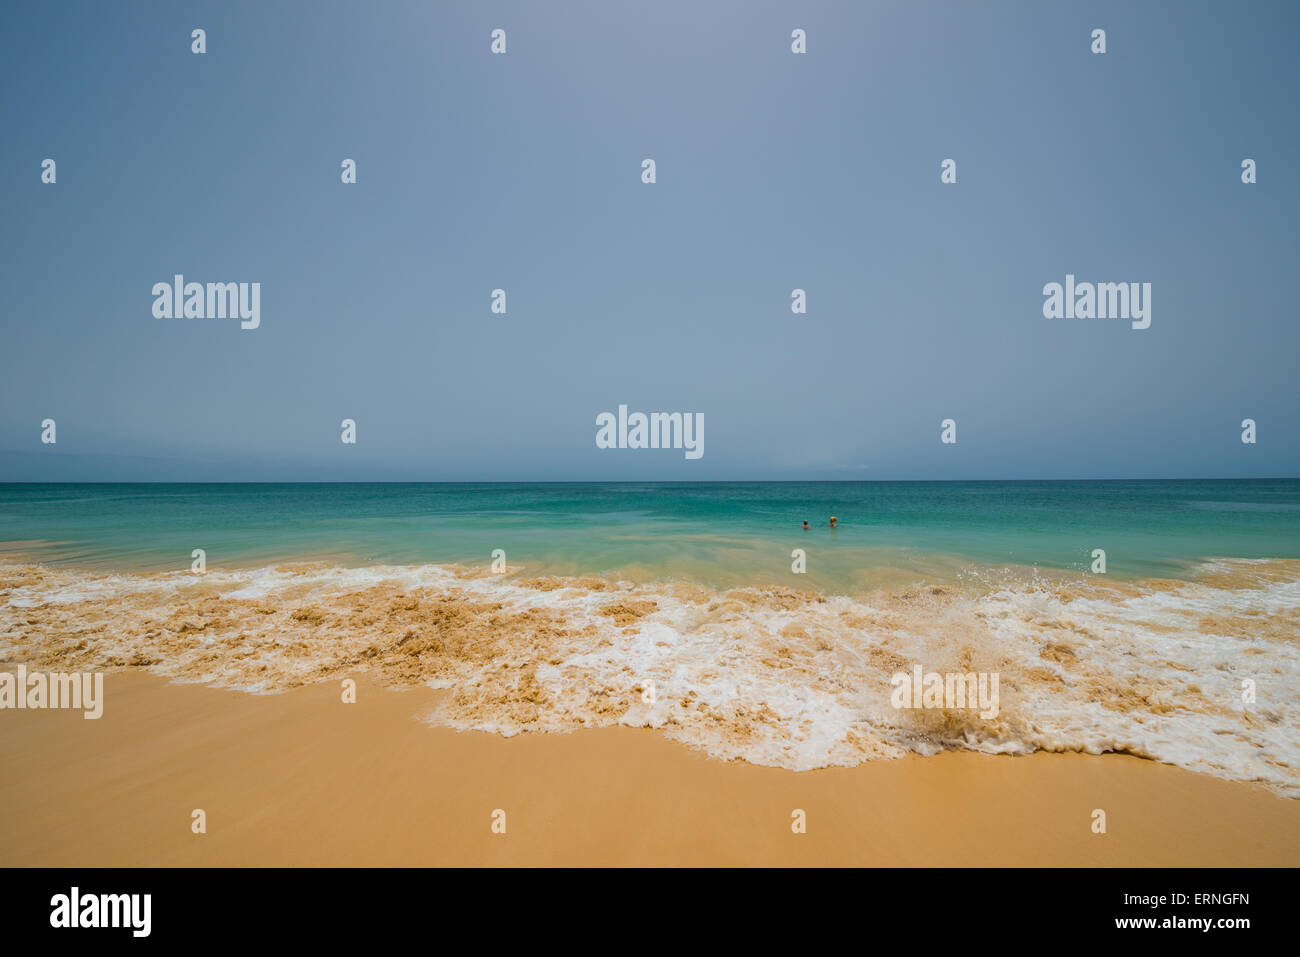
(678, 435)
(303, 779)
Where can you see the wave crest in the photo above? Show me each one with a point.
(771, 675)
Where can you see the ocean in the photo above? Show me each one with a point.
(677, 607)
(716, 534)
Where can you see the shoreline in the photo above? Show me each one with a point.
(777, 676)
(302, 779)
(894, 567)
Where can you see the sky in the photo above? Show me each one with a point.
(522, 171)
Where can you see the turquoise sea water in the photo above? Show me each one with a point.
(713, 533)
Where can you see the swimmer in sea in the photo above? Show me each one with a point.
(833, 521)
(805, 524)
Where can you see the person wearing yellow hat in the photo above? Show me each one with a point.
(833, 521)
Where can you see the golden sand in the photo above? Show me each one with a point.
(776, 676)
(304, 779)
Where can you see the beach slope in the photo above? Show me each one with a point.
(303, 779)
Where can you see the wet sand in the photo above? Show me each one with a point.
(775, 676)
(303, 779)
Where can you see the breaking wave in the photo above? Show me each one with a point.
(771, 675)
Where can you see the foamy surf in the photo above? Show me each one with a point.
(769, 675)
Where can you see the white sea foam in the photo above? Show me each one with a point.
(768, 675)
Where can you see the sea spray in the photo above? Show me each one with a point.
(771, 675)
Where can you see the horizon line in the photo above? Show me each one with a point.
(1260, 478)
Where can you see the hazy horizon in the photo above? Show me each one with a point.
(632, 481)
(775, 171)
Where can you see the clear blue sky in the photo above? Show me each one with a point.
(522, 171)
